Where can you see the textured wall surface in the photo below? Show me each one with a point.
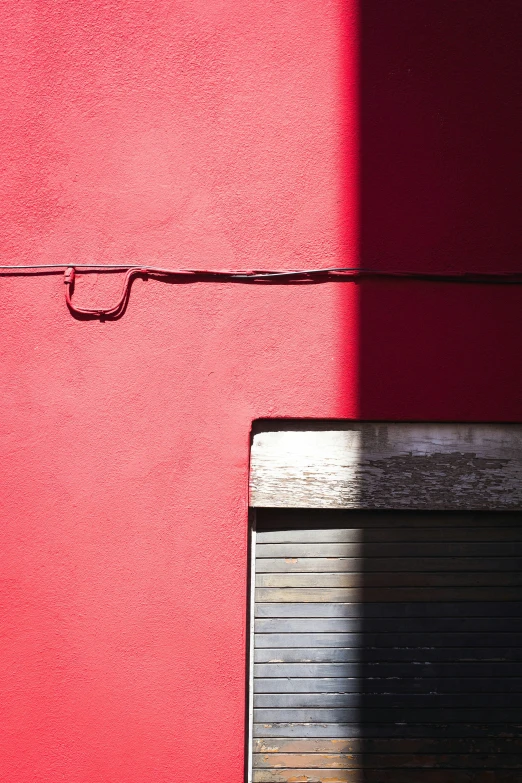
(218, 134)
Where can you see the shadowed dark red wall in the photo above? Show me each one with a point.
(440, 190)
(224, 134)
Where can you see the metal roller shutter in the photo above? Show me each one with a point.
(387, 647)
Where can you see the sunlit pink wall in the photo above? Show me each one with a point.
(204, 134)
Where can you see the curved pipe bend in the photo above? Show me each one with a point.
(115, 310)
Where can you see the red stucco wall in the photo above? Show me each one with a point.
(219, 134)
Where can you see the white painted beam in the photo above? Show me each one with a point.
(387, 465)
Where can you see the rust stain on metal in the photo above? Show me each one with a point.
(267, 749)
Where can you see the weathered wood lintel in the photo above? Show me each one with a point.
(386, 465)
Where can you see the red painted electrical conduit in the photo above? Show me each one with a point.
(305, 275)
(110, 312)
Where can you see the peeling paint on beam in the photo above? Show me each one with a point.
(387, 466)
